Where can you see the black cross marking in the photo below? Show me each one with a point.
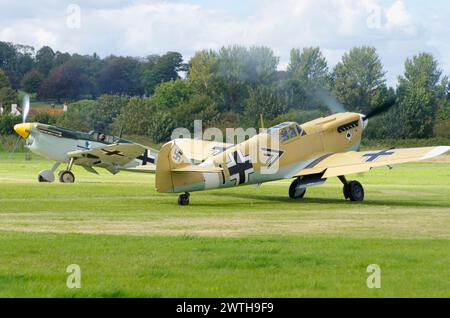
(145, 158)
(239, 167)
(374, 156)
(113, 153)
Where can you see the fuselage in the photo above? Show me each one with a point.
(273, 155)
(54, 143)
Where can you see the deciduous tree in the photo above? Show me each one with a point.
(418, 93)
(120, 75)
(359, 81)
(32, 81)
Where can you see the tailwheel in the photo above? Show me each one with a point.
(183, 199)
(66, 177)
(294, 191)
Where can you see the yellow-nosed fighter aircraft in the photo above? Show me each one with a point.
(309, 154)
(89, 150)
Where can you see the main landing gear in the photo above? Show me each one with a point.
(296, 192)
(183, 199)
(67, 176)
(353, 190)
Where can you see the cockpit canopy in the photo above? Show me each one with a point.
(101, 137)
(287, 131)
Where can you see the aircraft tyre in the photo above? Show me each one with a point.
(66, 177)
(183, 199)
(294, 192)
(345, 190)
(354, 191)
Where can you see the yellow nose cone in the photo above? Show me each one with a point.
(23, 129)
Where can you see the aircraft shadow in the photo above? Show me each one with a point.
(306, 201)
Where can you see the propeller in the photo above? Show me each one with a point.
(382, 109)
(25, 111)
(25, 107)
(336, 107)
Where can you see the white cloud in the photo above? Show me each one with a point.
(398, 17)
(145, 27)
(44, 37)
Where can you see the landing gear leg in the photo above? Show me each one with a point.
(67, 176)
(353, 190)
(183, 199)
(48, 175)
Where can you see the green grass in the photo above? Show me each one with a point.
(242, 242)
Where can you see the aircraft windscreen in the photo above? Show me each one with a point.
(287, 130)
(101, 137)
(276, 128)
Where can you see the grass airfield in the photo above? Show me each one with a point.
(243, 242)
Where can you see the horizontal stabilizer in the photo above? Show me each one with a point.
(192, 168)
(142, 169)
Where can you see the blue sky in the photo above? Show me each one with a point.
(397, 28)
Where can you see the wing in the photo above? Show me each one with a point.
(115, 154)
(200, 150)
(339, 164)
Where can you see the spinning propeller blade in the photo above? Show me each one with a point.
(382, 109)
(25, 107)
(25, 111)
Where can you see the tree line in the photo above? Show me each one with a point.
(63, 76)
(228, 87)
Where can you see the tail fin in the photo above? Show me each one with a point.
(172, 161)
(169, 157)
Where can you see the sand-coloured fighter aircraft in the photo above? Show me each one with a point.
(309, 154)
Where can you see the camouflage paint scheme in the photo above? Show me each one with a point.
(86, 149)
(313, 148)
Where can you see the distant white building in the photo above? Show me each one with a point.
(65, 107)
(14, 110)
